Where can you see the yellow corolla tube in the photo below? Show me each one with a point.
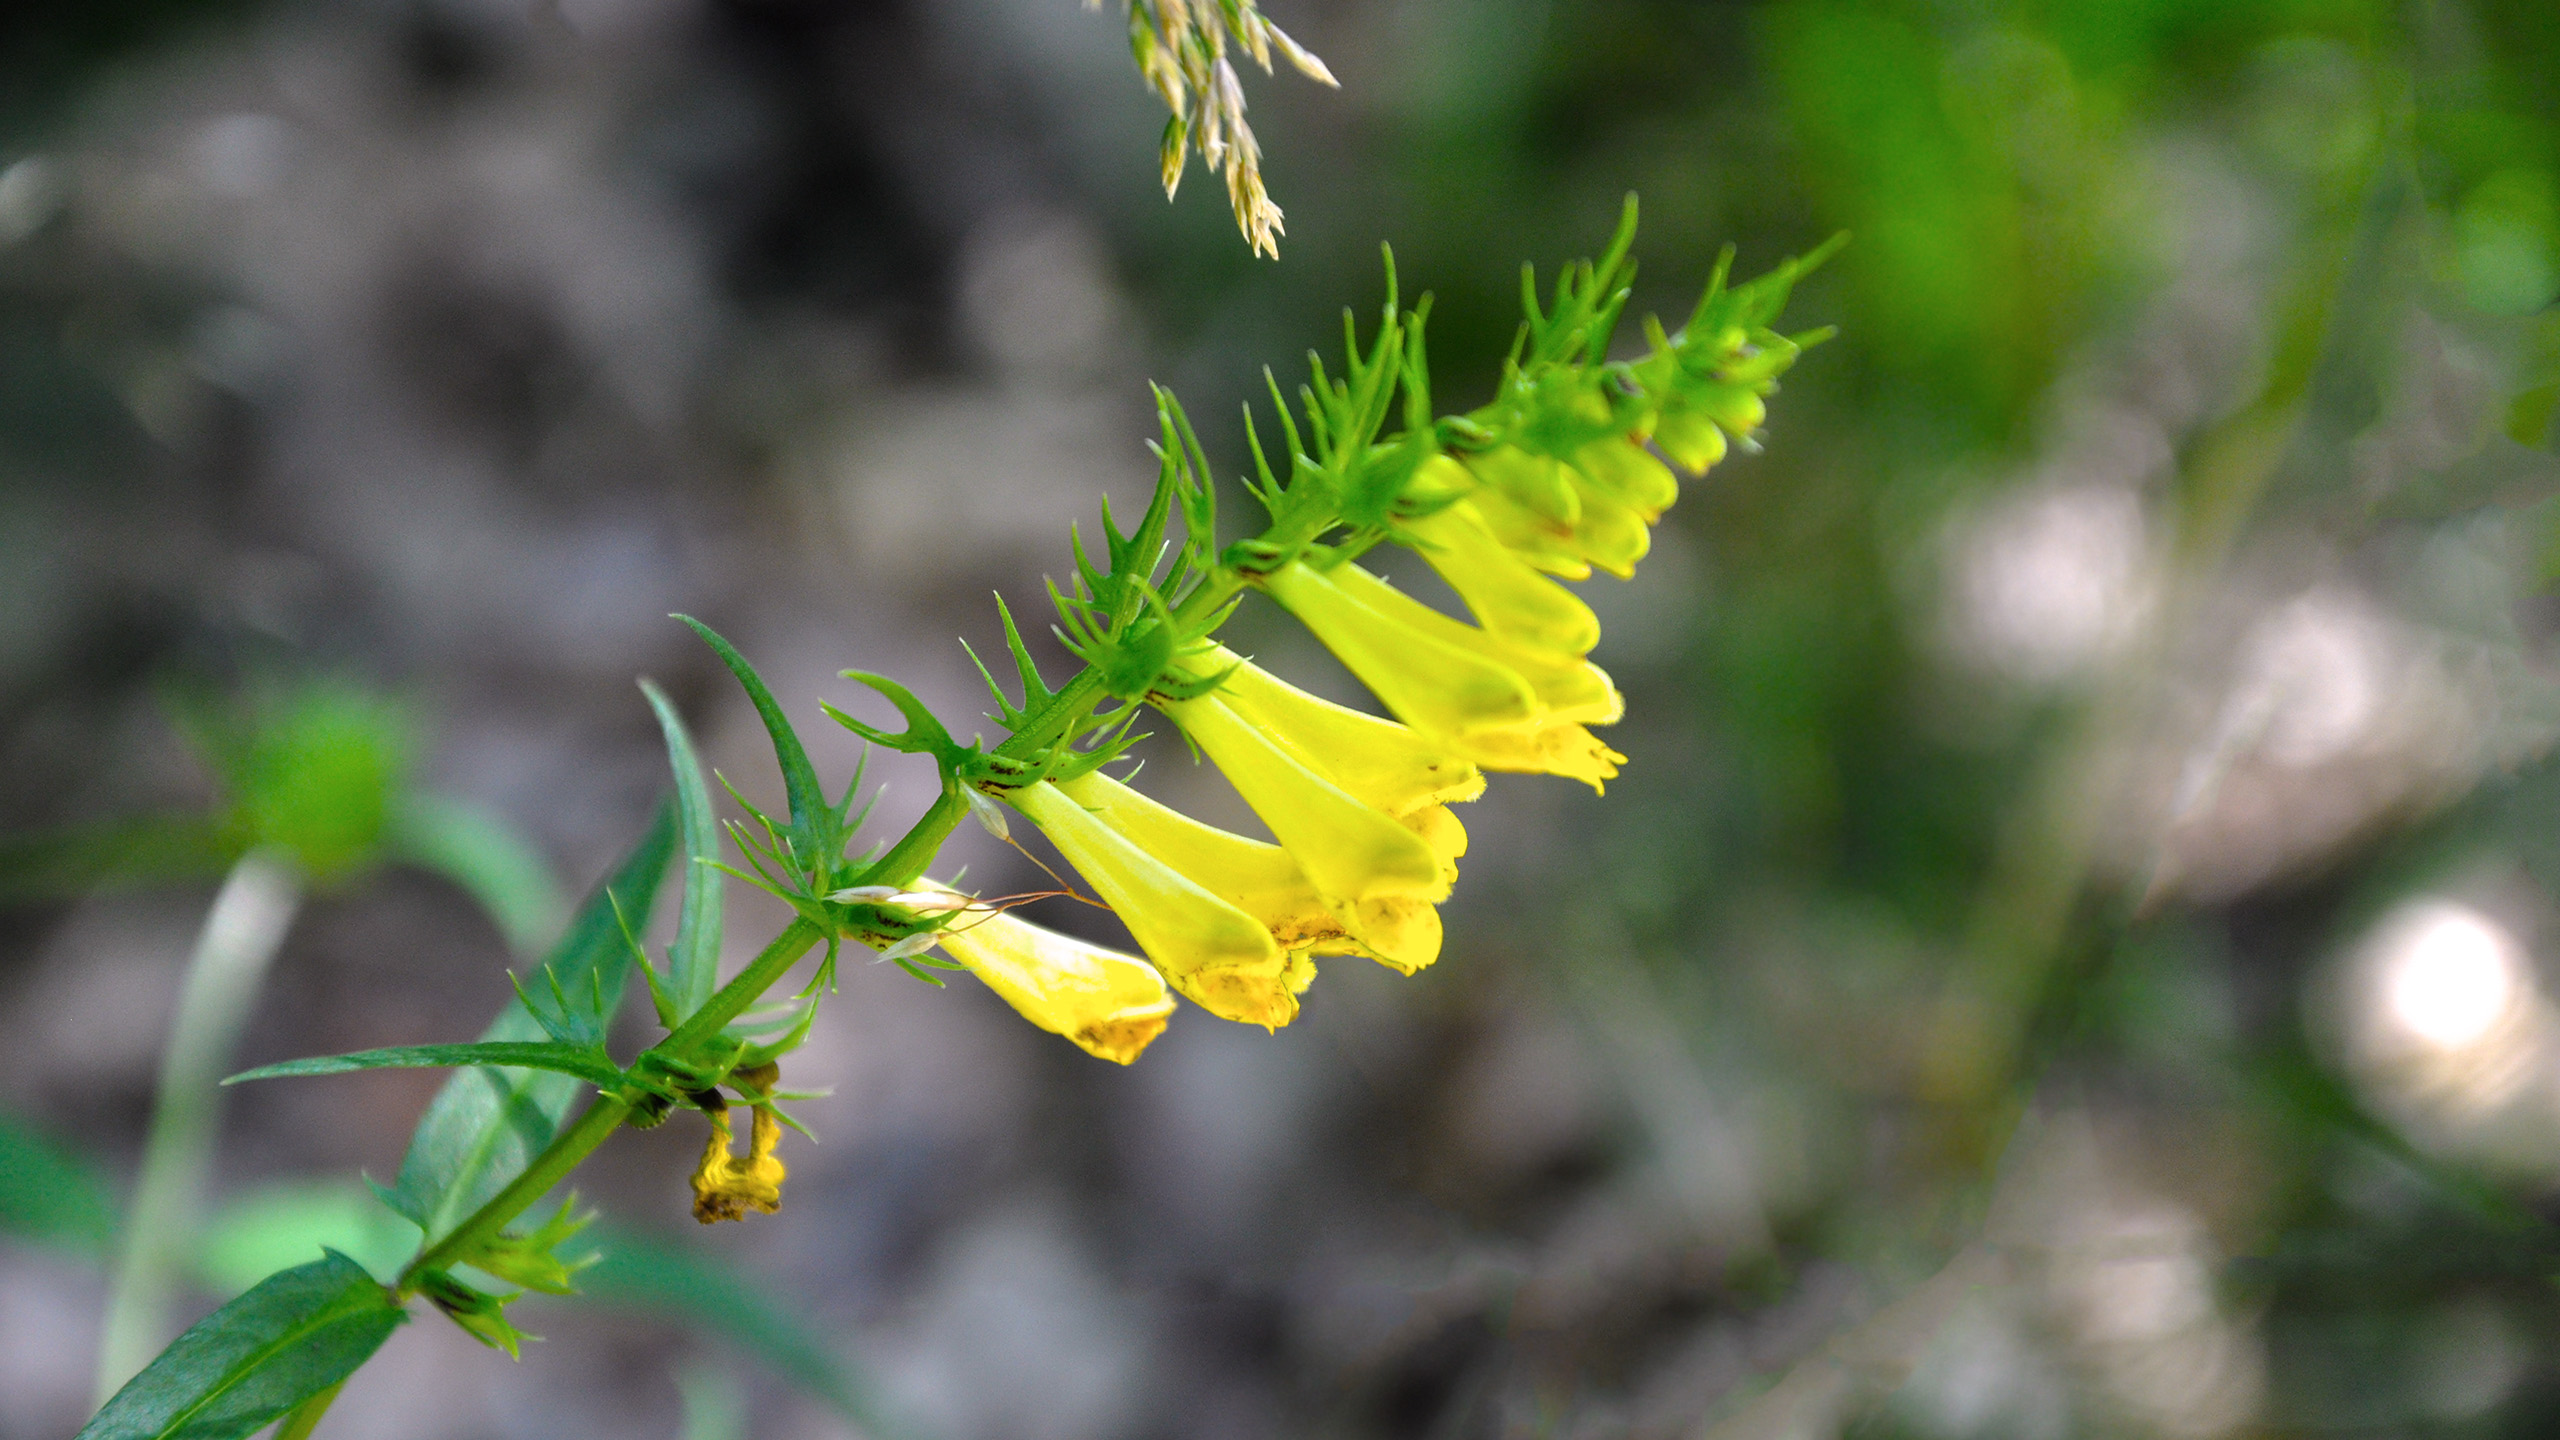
(1350, 850)
(1432, 683)
(1109, 1004)
(1207, 948)
(1391, 766)
(1379, 622)
(1627, 472)
(1505, 593)
(1255, 876)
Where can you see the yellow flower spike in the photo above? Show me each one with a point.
(1624, 469)
(1391, 766)
(1432, 684)
(1351, 850)
(1506, 594)
(1567, 690)
(1254, 876)
(1111, 1005)
(1205, 947)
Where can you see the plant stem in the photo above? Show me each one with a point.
(733, 999)
(548, 1169)
(241, 934)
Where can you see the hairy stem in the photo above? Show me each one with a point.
(241, 934)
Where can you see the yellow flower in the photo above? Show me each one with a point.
(1386, 764)
(1349, 849)
(1440, 687)
(1623, 468)
(1369, 624)
(1206, 948)
(1255, 876)
(1110, 1004)
(1505, 592)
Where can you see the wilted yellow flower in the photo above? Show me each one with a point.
(726, 1187)
(1110, 1004)
(1207, 948)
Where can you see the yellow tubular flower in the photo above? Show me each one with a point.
(1540, 542)
(1109, 1004)
(1505, 593)
(1383, 763)
(1568, 690)
(1206, 948)
(1438, 685)
(1537, 482)
(1256, 877)
(1611, 533)
(1351, 850)
(1622, 468)
(1691, 440)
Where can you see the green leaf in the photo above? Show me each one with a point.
(640, 1272)
(486, 1124)
(587, 1062)
(47, 1194)
(817, 837)
(291, 1337)
(486, 857)
(693, 966)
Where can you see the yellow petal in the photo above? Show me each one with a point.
(1403, 934)
(1349, 849)
(1254, 876)
(1506, 594)
(1388, 765)
(1206, 948)
(1436, 684)
(1109, 1003)
(1567, 750)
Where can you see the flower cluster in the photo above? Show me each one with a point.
(1555, 478)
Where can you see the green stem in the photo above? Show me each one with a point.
(915, 850)
(548, 1169)
(734, 998)
(305, 1417)
(240, 937)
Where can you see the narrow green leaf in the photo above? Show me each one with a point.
(693, 966)
(586, 1062)
(814, 835)
(291, 1337)
(640, 1272)
(487, 1124)
(47, 1194)
(492, 863)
